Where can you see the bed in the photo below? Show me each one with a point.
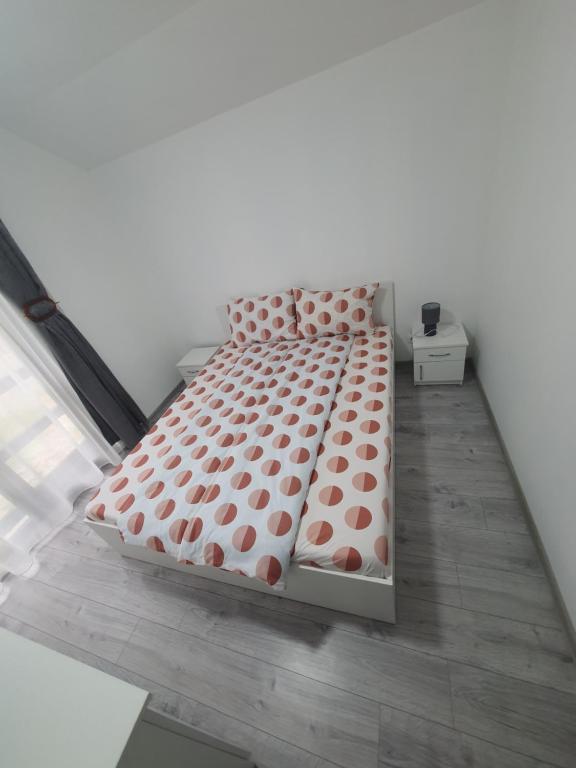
(273, 471)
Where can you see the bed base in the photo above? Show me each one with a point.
(348, 592)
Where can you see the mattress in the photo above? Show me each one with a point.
(346, 506)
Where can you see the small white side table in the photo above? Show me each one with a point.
(194, 361)
(439, 359)
(60, 713)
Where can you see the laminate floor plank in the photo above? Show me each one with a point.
(428, 579)
(439, 435)
(411, 453)
(407, 741)
(479, 483)
(536, 654)
(505, 515)
(387, 673)
(439, 509)
(526, 718)
(441, 413)
(134, 592)
(511, 595)
(337, 726)
(431, 397)
(91, 626)
(481, 548)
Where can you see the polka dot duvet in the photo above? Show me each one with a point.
(346, 516)
(264, 434)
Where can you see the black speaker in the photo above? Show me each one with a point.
(430, 317)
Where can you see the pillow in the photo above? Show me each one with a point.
(266, 318)
(327, 313)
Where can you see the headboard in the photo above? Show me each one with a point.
(383, 309)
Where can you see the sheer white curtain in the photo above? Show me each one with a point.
(50, 449)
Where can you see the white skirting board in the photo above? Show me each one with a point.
(348, 592)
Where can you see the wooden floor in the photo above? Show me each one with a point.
(477, 673)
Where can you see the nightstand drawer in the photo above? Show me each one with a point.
(189, 372)
(451, 371)
(195, 361)
(439, 354)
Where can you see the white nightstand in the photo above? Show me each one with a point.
(439, 359)
(194, 361)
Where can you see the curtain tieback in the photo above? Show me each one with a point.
(40, 309)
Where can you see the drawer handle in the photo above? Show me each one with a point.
(420, 372)
(445, 354)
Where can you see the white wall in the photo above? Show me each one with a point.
(377, 168)
(527, 277)
(52, 211)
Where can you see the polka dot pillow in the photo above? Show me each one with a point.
(266, 318)
(327, 313)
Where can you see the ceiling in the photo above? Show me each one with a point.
(91, 80)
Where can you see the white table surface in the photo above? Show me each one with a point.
(58, 713)
(197, 356)
(447, 335)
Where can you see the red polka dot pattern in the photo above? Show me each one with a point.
(347, 508)
(329, 313)
(232, 458)
(262, 319)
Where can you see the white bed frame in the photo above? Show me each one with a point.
(349, 592)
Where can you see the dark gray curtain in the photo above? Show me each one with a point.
(104, 397)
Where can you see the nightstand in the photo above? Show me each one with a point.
(439, 359)
(194, 361)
